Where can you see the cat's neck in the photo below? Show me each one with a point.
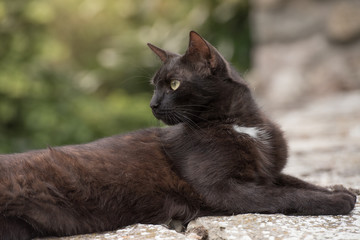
(241, 110)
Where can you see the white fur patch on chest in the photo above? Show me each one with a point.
(253, 132)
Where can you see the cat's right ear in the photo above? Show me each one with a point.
(201, 50)
(162, 54)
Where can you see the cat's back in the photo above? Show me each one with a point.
(144, 141)
(133, 153)
(122, 142)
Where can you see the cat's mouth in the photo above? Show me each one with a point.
(169, 117)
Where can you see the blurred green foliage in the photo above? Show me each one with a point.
(72, 71)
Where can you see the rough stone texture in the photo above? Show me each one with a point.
(136, 232)
(258, 226)
(324, 140)
(343, 23)
(304, 49)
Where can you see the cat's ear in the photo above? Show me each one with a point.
(200, 50)
(162, 54)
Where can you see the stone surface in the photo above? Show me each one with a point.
(136, 232)
(284, 21)
(276, 226)
(324, 140)
(343, 22)
(304, 49)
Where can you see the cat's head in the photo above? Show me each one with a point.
(197, 86)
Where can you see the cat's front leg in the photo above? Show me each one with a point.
(233, 197)
(13, 228)
(290, 181)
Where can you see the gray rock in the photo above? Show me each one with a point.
(136, 232)
(304, 49)
(274, 21)
(276, 226)
(343, 22)
(324, 140)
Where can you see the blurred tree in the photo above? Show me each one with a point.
(76, 70)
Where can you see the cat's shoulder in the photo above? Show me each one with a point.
(221, 130)
(141, 135)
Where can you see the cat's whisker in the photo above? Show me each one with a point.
(183, 118)
(194, 115)
(195, 105)
(193, 110)
(201, 108)
(190, 123)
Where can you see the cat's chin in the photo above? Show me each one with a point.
(166, 118)
(170, 122)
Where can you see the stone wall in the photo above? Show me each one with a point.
(304, 49)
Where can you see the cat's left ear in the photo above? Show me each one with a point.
(200, 50)
(162, 54)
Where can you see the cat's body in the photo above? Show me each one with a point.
(221, 156)
(103, 185)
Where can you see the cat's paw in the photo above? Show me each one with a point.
(342, 189)
(343, 202)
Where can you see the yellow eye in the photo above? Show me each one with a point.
(174, 84)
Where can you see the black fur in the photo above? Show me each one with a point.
(220, 156)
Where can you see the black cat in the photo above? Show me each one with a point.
(220, 156)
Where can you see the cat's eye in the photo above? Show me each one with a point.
(174, 84)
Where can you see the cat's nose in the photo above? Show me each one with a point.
(154, 105)
(155, 102)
